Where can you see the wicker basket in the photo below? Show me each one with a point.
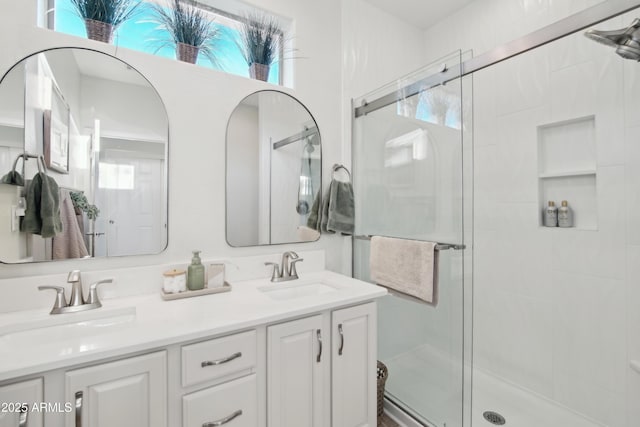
(188, 53)
(382, 374)
(100, 31)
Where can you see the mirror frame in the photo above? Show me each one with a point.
(226, 168)
(166, 150)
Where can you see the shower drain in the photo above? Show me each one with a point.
(494, 418)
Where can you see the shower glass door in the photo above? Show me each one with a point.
(408, 178)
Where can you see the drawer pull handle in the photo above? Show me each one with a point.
(23, 420)
(221, 361)
(79, 409)
(319, 335)
(341, 340)
(223, 420)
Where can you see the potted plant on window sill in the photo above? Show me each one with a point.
(102, 17)
(190, 30)
(259, 39)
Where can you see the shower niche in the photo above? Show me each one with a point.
(567, 169)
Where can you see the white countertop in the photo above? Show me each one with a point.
(158, 323)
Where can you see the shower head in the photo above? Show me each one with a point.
(625, 40)
(628, 52)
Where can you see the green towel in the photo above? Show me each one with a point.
(13, 178)
(315, 215)
(341, 208)
(324, 210)
(42, 215)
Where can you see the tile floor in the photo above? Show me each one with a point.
(385, 421)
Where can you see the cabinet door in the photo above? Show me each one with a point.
(298, 374)
(353, 384)
(126, 393)
(18, 402)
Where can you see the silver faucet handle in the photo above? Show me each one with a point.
(74, 276)
(93, 292)
(293, 272)
(275, 272)
(60, 301)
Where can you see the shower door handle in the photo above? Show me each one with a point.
(341, 340)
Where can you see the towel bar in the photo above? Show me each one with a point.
(439, 246)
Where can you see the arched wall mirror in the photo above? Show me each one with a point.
(274, 171)
(85, 135)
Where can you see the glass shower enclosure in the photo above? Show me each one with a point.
(411, 164)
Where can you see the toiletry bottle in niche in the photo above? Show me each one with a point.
(195, 274)
(565, 217)
(551, 215)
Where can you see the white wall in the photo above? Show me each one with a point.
(199, 102)
(555, 310)
(377, 48)
(141, 117)
(242, 207)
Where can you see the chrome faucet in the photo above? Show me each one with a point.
(287, 269)
(77, 301)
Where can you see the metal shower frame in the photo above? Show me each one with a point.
(576, 22)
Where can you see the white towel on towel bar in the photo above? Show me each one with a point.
(407, 266)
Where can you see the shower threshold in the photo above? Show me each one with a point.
(414, 382)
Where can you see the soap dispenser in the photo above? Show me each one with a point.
(195, 275)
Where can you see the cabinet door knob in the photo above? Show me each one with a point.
(341, 340)
(319, 336)
(79, 409)
(23, 421)
(223, 420)
(221, 361)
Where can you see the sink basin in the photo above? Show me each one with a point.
(44, 329)
(294, 290)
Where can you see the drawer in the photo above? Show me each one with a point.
(232, 404)
(218, 357)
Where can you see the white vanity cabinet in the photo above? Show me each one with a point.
(353, 374)
(231, 363)
(18, 402)
(322, 370)
(241, 359)
(298, 366)
(126, 393)
(234, 403)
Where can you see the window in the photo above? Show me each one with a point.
(140, 33)
(116, 176)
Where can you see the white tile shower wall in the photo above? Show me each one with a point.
(376, 49)
(555, 311)
(199, 102)
(633, 326)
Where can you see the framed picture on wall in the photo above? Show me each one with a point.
(56, 133)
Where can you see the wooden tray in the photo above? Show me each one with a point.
(188, 294)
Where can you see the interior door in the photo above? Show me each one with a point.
(134, 220)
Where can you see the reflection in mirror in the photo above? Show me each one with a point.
(274, 164)
(83, 159)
